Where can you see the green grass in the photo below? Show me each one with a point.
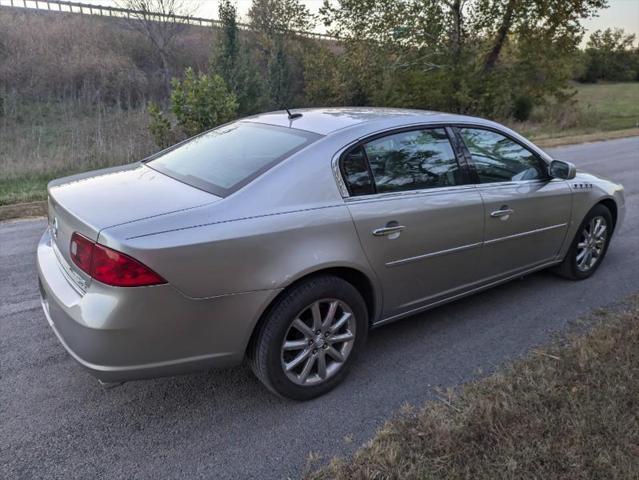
(28, 187)
(594, 108)
(616, 105)
(567, 411)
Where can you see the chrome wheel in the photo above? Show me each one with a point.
(318, 342)
(592, 243)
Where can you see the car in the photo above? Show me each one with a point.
(283, 238)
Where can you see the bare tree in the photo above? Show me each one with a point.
(159, 22)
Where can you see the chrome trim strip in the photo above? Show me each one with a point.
(433, 254)
(410, 193)
(402, 261)
(523, 234)
(341, 185)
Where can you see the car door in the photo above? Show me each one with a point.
(419, 220)
(526, 212)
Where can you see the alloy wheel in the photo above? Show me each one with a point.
(318, 342)
(592, 243)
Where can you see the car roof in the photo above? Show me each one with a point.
(325, 121)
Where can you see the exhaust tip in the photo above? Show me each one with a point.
(109, 385)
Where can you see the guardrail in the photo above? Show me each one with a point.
(107, 11)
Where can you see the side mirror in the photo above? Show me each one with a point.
(561, 169)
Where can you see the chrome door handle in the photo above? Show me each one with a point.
(380, 232)
(502, 212)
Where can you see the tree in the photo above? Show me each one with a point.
(277, 23)
(155, 19)
(280, 17)
(611, 55)
(469, 56)
(232, 61)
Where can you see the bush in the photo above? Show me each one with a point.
(201, 102)
(160, 127)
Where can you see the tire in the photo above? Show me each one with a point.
(570, 267)
(267, 354)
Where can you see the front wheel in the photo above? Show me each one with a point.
(589, 246)
(310, 337)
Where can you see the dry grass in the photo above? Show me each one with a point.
(567, 411)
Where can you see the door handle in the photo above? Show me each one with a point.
(502, 212)
(388, 230)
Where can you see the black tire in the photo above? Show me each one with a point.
(569, 268)
(265, 353)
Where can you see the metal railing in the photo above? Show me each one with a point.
(107, 11)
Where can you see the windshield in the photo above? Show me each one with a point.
(230, 156)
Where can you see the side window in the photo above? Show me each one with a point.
(413, 160)
(356, 174)
(500, 159)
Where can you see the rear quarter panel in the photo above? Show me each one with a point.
(259, 253)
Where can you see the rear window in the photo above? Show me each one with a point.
(230, 156)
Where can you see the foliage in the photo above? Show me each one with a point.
(280, 17)
(610, 55)
(233, 62)
(522, 108)
(474, 56)
(160, 126)
(275, 23)
(199, 102)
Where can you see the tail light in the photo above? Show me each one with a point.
(110, 266)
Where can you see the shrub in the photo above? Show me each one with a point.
(160, 126)
(199, 102)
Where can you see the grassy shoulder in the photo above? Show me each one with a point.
(567, 411)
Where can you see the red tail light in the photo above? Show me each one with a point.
(109, 266)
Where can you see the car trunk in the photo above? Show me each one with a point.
(90, 202)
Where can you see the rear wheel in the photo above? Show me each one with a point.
(589, 246)
(309, 339)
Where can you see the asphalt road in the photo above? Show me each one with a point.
(57, 422)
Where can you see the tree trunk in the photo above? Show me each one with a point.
(504, 28)
(166, 73)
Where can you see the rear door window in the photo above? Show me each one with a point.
(413, 160)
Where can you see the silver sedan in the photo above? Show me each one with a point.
(283, 238)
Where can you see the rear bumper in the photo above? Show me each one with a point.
(121, 334)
